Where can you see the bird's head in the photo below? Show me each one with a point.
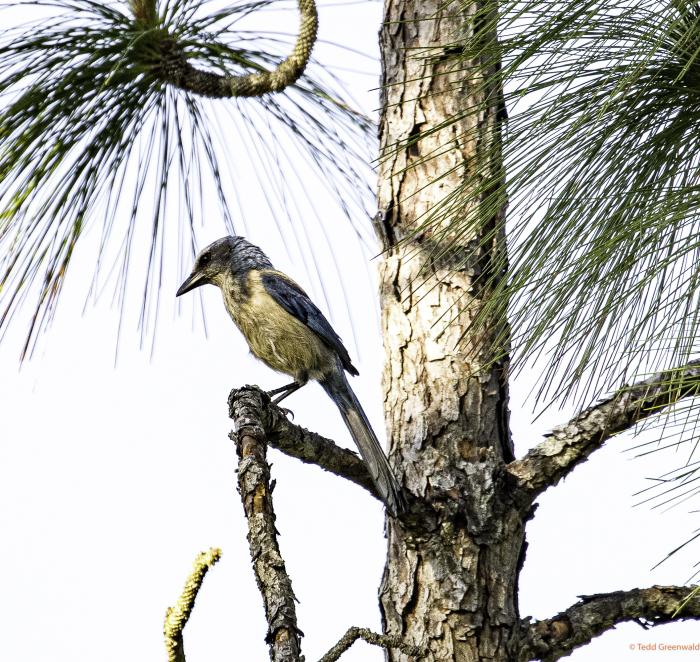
(228, 256)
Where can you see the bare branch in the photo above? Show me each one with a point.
(569, 445)
(557, 637)
(383, 640)
(176, 617)
(283, 635)
(309, 447)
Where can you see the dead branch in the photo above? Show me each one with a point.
(309, 447)
(557, 637)
(283, 635)
(383, 640)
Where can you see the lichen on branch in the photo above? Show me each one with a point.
(254, 485)
(556, 637)
(570, 444)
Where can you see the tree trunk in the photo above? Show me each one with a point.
(451, 576)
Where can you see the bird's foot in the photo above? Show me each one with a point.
(287, 412)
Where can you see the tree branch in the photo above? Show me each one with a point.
(176, 69)
(176, 617)
(569, 445)
(309, 447)
(283, 635)
(557, 637)
(383, 640)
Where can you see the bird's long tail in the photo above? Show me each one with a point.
(339, 390)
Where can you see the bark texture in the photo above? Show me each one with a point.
(569, 445)
(450, 580)
(310, 447)
(283, 635)
(430, 534)
(557, 637)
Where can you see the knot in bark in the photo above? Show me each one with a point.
(472, 495)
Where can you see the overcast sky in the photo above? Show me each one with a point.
(114, 475)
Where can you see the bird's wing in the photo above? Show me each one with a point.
(296, 302)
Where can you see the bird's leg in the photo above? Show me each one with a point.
(284, 391)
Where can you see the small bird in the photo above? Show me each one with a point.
(288, 333)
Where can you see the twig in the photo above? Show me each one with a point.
(383, 640)
(176, 617)
(283, 635)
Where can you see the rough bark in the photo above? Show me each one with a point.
(557, 637)
(310, 447)
(450, 580)
(283, 635)
(494, 638)
(569, 445)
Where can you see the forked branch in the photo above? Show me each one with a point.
(569, 445)
(283, 635)
(557, 637)
(298, 442)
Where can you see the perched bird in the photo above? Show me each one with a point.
(287, 332)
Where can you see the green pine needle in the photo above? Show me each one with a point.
(90, 135)
(602, 151)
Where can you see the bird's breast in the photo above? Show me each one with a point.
(275, 336)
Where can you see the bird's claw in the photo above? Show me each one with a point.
(286, 412)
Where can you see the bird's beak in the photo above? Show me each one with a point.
(195, 279)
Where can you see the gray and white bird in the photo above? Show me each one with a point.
(288, 333)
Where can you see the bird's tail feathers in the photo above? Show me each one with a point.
(341, 393)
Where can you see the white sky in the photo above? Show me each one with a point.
(113, 478)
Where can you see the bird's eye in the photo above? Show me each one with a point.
(205, 259)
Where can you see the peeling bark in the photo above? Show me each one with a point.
(283, 634)
(460, 577)
(451, 575)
